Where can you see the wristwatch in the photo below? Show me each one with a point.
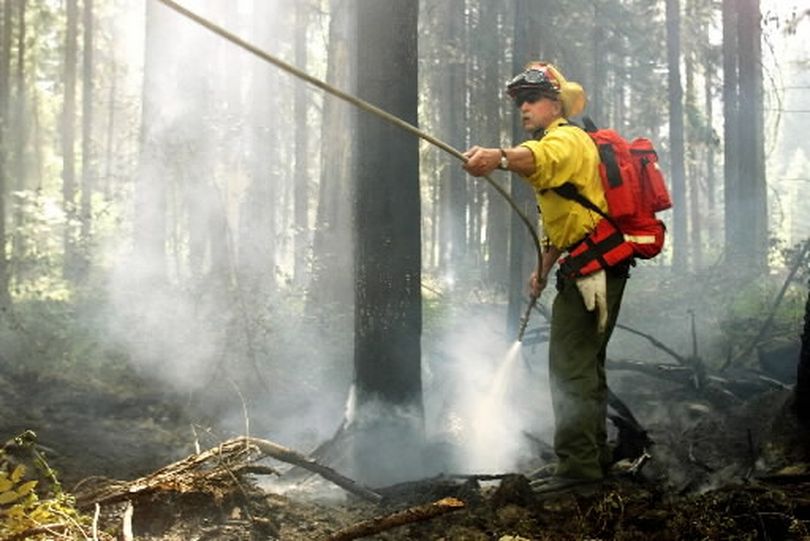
(504, 163)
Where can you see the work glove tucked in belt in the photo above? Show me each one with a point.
(593, 289)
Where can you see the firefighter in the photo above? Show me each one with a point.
(585, 309)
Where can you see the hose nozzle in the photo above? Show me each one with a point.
(524, 321)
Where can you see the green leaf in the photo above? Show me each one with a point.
(8, 497)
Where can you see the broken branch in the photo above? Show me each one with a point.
(408, 516)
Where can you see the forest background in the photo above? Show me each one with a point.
(178, 214)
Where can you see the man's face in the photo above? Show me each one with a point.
(537, 111)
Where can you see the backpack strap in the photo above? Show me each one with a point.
(569, 191)
(589, 124)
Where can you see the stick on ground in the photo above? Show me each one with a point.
(376, 525)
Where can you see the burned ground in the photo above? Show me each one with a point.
(736, 474)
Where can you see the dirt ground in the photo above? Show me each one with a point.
(736, 474)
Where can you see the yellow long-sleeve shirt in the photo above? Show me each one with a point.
(566, 154)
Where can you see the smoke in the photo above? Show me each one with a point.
(483, 392)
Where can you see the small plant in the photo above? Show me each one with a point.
(29, 510)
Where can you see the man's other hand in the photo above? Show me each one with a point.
(481, 161)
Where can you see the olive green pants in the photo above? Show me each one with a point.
(577, 377)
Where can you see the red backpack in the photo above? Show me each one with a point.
(635, 190)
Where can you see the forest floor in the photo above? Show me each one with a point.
(739, 475)
(723, 465)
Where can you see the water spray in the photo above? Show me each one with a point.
(368, 107)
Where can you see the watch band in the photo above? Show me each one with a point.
(504, 163)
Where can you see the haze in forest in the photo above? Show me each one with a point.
(222, 208)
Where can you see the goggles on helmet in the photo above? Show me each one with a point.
(534, 78)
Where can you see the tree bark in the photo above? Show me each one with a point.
(68, 141)
(331, 284)
(88, 160)
(676, 130)
(5, 67)
(491, 102)
(522, 256)
(300, 175)
(388, 309)
(451, 128)
(753, 197)
(21, 131)
(733, 233)
(802, 389)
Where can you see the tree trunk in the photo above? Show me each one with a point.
(676, 157)
(802, 390)
(597, 110)
(491, 94)
(331, 284)
(151, 188)
(301, 175)
(68, 141)
(388, 311)
(753, 197)
(5, 67)
(451, 128)
(522, 256)
(733, 232)
(88, 160)
(694, 142)
(21, 131)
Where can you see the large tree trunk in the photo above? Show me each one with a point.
(68, 141)
(388, 310)
(676, 156)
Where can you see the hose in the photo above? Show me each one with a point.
(365, 106)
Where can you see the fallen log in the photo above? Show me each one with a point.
(194, 472)
(411, 515)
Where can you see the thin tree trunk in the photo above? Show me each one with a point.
(109, 152)
(88, 160)
(802, 390)
(5, 68)
(753, 199)
(491, 96)
(151, 190)
(451, 127)
(733, 233)
(694, 141)
(676, 129)
(21, 131)
(68, 140)
(332, 244)
(300, 175)
(522, 256)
